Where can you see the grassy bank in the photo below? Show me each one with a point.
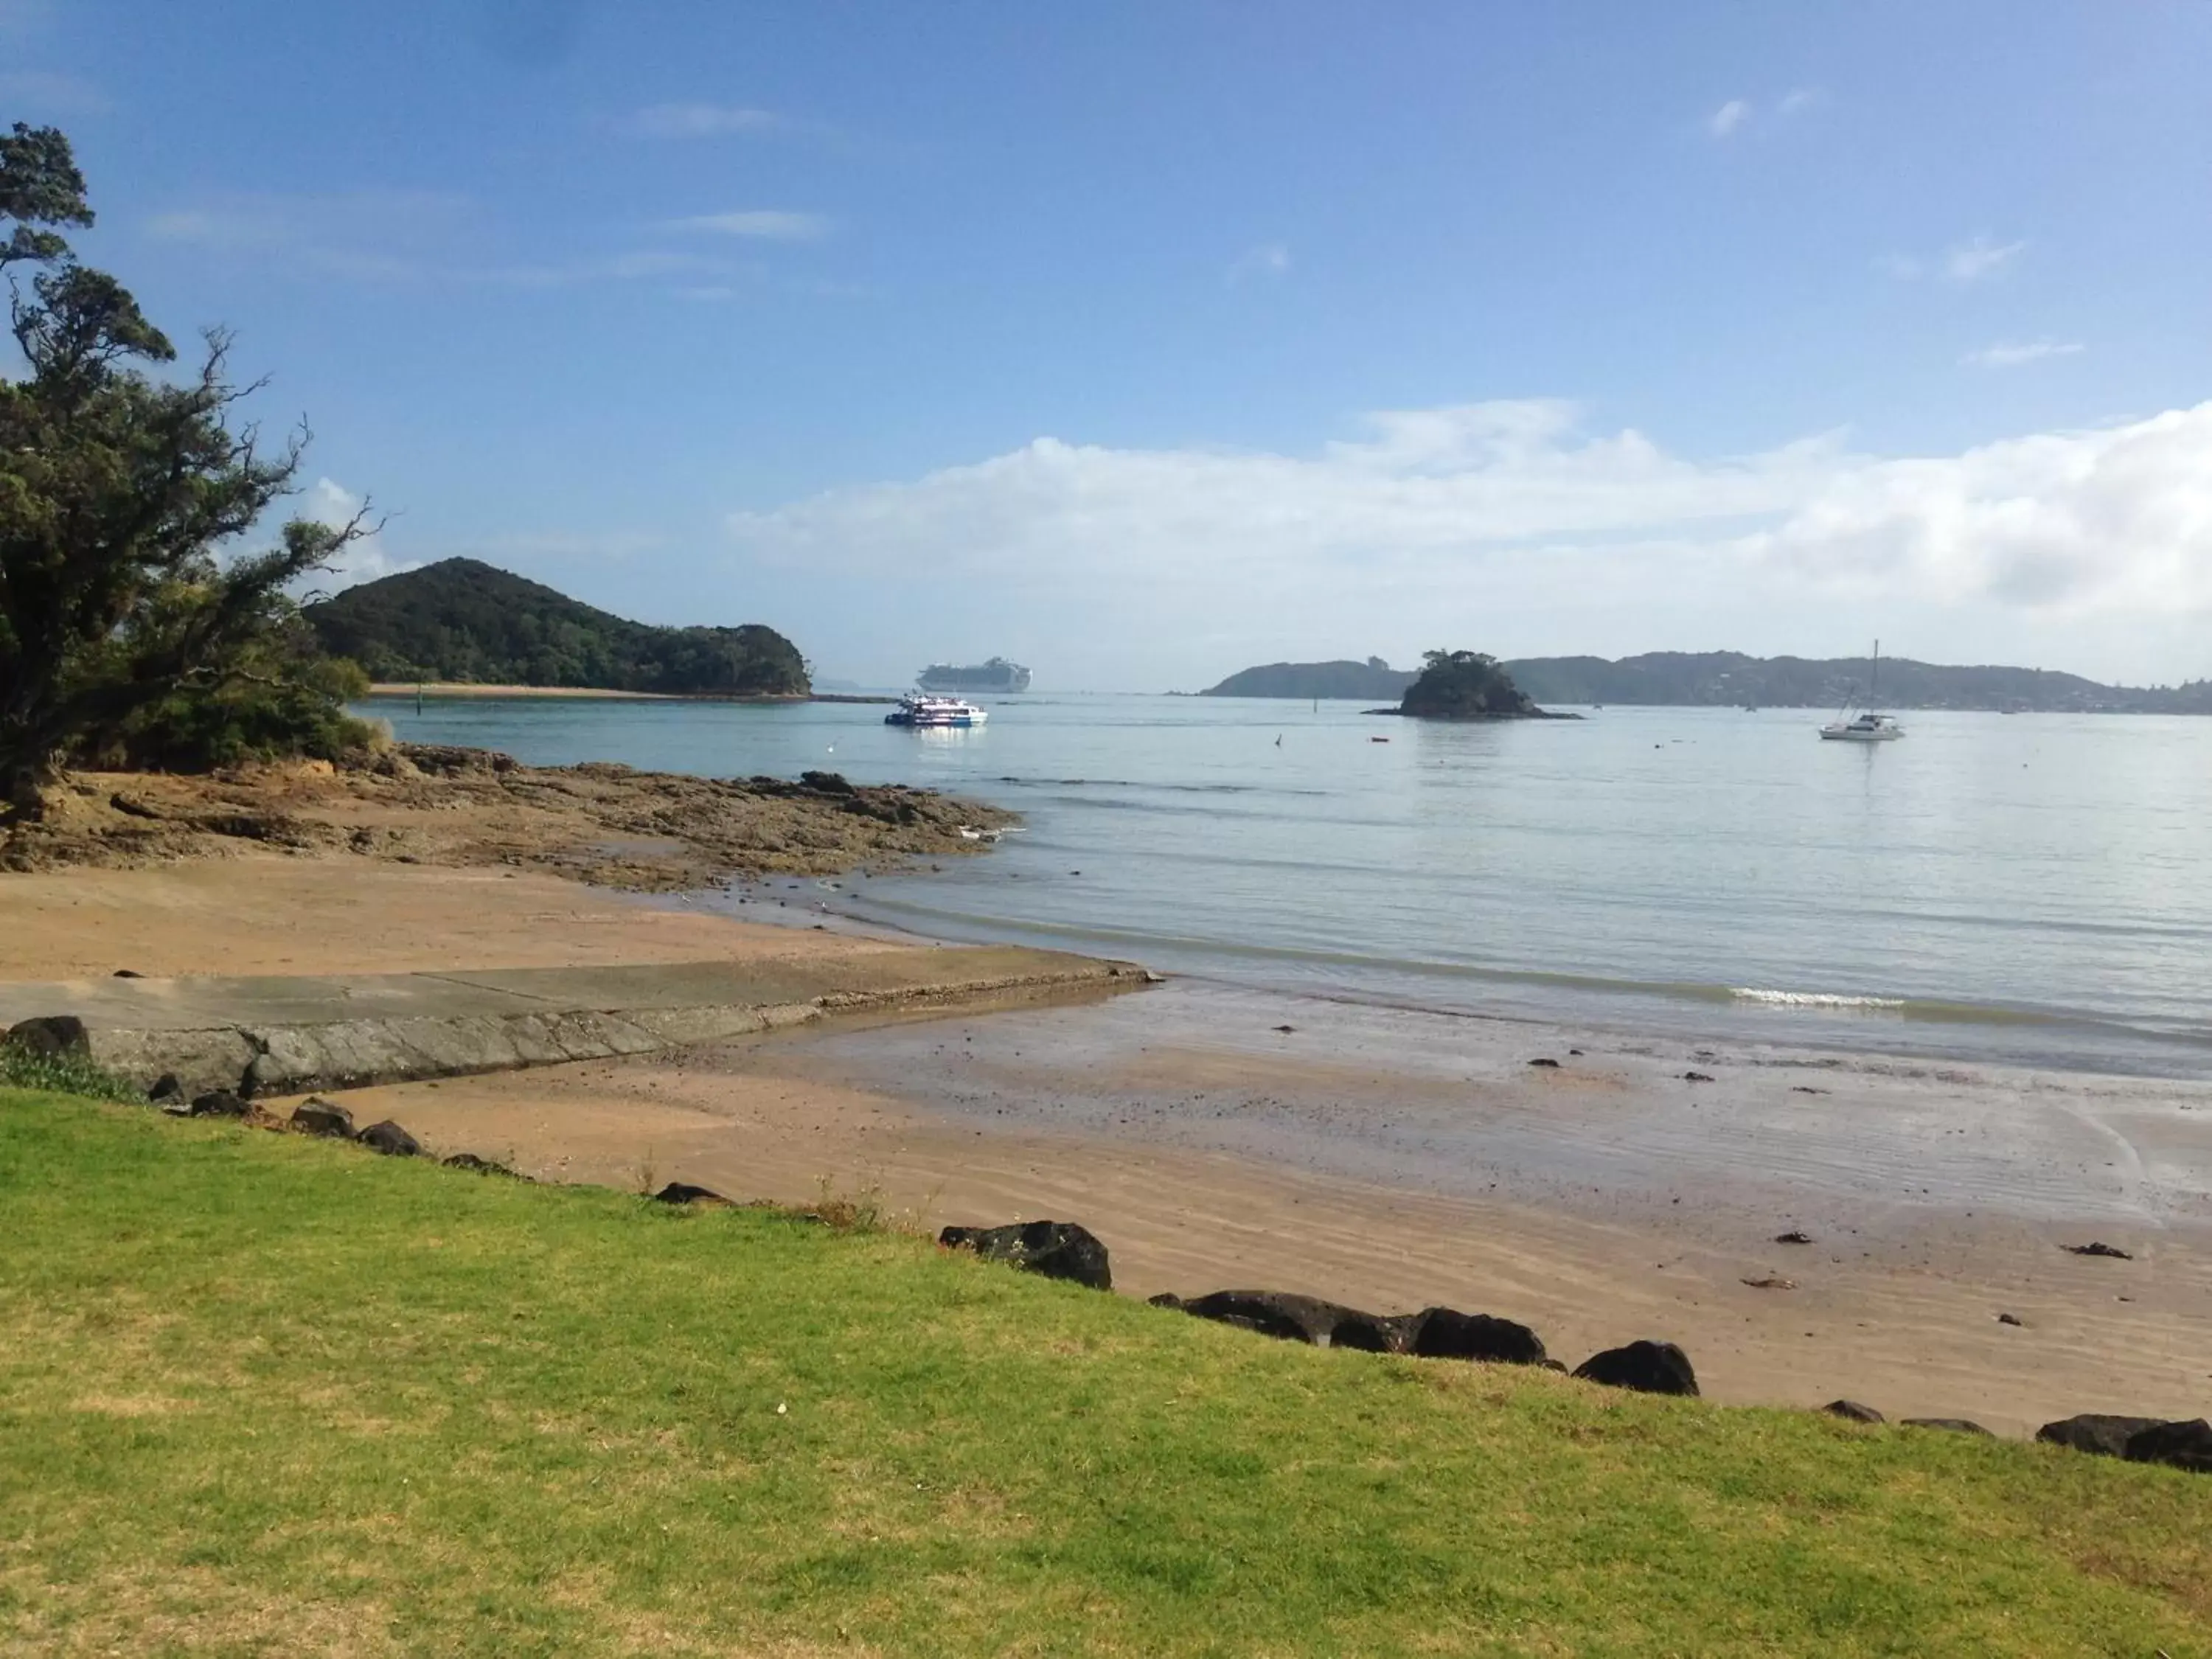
(263, 1394)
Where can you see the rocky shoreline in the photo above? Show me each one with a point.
(426, 803)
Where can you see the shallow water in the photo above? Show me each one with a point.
(2034, 888)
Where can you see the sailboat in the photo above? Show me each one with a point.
(1866, 727)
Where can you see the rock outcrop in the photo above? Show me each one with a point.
(391, 1139)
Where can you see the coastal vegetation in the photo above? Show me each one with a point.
(1466, 685)
(463, 620)
(264, 1389)
(1728, 678)
(133, 628)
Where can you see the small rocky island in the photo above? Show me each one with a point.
(1467, 685)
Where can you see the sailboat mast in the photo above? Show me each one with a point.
(1873, 676)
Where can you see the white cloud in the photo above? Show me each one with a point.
(1972, 261)
(1265, 259)
(2011, 354)
(764, 224)
(1506, 526)
(1798, 99)
(1963, 263)
(698, 121)
(363, 560)
(1727, 117)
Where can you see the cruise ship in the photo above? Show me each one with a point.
(996, 675)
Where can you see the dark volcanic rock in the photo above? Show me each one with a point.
(2183, 1446)
(1696, 1077)
(1647, 1367)
(1547, 1063)
(683, 1192)
(2097, 1246)
(1058, 1250)
(1289, 1317)
(2093, 1431)
(50, 1036)
(476, 1165)
(317, 1116)
(1447, 1334)
(1793, 1237)
(1853, 1411)
(218, 1102)
(391, 1139)
(1950, 1424)
(167, 1087)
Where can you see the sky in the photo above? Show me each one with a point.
(1143, 342)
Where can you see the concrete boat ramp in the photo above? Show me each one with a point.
(289, 1035)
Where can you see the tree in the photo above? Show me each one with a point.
(120, 496)
(1464, 685)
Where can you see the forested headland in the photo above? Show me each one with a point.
(463, 620)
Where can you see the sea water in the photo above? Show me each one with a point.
(2035, 888)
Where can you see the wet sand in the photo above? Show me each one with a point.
(1392, 1160)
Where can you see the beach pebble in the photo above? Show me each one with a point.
(1772, 1282)
(1793, 1237)
(2010, 1319)
(1696, 1077)
(1546, 1062)
(2097, 1248)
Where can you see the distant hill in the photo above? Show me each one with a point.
(1367, 681)
(1728, 678)
(463, 620)
(1676, 678)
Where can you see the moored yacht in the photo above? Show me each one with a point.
(1866, 727)
(925, 712)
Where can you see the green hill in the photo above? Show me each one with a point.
(1367, 682)
(463, 620)
(266, 1393)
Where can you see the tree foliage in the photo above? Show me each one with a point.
(461, 619)
(121, 496)
(1464, 685)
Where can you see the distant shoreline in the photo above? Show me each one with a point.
(471, 688)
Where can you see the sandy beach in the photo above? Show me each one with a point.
(1385, 1158)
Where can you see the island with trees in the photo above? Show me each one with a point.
(462, 621)
(1467, 685)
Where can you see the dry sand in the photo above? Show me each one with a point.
(264, 912)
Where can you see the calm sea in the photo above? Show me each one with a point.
(2033, 888)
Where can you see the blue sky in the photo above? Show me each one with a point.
(1145, 341)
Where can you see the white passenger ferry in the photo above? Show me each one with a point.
(925, 712)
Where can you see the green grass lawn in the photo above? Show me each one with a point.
(261, 1394)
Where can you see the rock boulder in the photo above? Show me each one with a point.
(317, 1116)
(1058, 1250)
(391, 1139)
(2182, 1445)
(1289, 1317)
(2095, 1432)
(1447, 1334)
(1647, 1367)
